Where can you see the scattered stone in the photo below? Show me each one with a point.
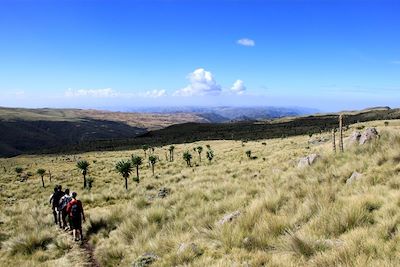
(229, 217)
(189, 248)
(247, 241)
(361, 138)
(368, 135)
(163, 192)
(23, 177)
(145, 260)
(354, 138)
(307, 161)
(355, 176)
(318, 140)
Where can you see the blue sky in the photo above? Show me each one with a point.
(329, 55)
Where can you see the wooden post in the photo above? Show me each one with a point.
(341, 133)
(334, 140)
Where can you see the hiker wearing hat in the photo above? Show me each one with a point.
(75, 212)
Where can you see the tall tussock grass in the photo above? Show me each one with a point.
(286, 216)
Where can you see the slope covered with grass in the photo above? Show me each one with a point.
(285, 216)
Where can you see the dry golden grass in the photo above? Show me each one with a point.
(289, 216)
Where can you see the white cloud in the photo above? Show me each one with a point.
(397, 62)
(109, 93)
(238, 87)
(98, 93)
(16, 93)
(154, 93)
(202, 82)
(246, 42)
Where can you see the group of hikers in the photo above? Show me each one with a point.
(67, 211)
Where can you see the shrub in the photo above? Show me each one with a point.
(18, 170)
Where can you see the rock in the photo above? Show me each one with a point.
(145, 260)
(23, 177)
(355, 176)
(318, 140)
(307, 161)
(229, 217)
(368, 135)
(354, 138)
(248, 242)
(163, 192)
(189, 248)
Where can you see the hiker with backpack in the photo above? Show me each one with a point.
(63, 208)
(54, 201)
(76, 215)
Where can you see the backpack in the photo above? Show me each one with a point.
(64, 202)
(75, 210)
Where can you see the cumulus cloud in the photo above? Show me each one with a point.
(246, 42)
(154, 93)
(98, 93)
(238, 87)
(202, 82)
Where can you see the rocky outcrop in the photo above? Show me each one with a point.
(307, 161)
(358, 138)
(368, 135)
(354, 138)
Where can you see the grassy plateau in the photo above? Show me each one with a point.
(284, 215)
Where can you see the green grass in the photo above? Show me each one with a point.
(288, 216)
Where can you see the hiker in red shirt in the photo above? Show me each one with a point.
(75, 212)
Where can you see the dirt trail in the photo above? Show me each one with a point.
(89, 252)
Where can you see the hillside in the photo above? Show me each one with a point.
(26, 130)
(149, 121)
(70, 131)
(282, 215)
(243, 131)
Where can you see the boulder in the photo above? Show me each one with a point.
(354, 138)
(229, 217)
(368, 135)
(307, 161)
(145, 260)
(355, 176)
(189, 248)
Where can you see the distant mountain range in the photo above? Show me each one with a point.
(227, 113)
